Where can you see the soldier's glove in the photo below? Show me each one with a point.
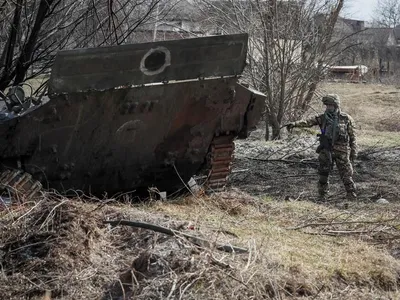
(353, 155)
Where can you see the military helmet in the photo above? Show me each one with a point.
(331, 99)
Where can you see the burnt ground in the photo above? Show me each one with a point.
(287, 169)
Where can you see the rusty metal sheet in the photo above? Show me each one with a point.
(255, 108)
(249, 115)
(246, 111)
(109, 67)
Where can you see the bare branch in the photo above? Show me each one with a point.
(226, 248)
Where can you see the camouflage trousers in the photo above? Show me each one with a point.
(345, 168)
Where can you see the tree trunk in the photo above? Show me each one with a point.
(276, 131)
(24, 61)
(275, 125)
(331, 21)
(267, 133)
(7, 75)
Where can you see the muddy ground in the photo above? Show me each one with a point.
(287, 169)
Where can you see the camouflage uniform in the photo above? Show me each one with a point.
(344, 146)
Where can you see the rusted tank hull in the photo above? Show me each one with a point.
(124, 138)
(119, 140)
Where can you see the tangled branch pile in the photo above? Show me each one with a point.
(63, 246)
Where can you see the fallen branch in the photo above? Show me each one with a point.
(341, 223)
(309, 162)
(347, 233)
(350, 232)
(171, 232)
(320, 233)
(288, 176)
(232, 172)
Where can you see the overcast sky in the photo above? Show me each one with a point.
(360, 9)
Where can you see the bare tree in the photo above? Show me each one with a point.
(387, 13)
(290, 43)
(32, 31)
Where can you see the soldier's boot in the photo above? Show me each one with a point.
(323, 190)
(351, 191)
(351, 195)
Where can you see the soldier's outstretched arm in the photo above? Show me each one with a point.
(313, 121)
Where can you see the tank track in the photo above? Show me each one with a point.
(19, 186)
(220, 162)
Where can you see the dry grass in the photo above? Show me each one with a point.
(62, 245)
(301, 261)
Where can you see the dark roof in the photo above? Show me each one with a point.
(356, 25)
(342, 27)
(379, 36)
(396, 32)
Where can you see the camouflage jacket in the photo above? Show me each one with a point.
(346, 139)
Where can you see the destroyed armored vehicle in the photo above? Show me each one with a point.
(119, 118)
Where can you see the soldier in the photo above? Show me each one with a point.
(337, 144)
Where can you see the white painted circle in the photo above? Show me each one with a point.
(161, 69)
